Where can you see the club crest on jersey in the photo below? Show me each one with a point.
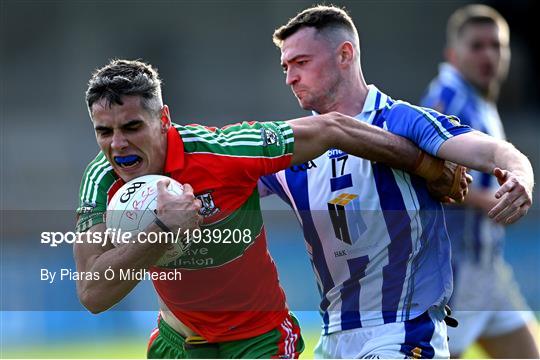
(453, 120)
(269, 137)
(346, 218)
(416, 353)
(208, 207)
(335, 153)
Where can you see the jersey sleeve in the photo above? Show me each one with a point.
(244, 151)
(97, 179)
(425, 127)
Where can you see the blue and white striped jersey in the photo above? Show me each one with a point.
(474, 236)
(376, 239)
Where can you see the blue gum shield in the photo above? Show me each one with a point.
(126, 159)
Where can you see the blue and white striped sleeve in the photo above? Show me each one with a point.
(427, 128)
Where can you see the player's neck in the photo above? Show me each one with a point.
(351, 97)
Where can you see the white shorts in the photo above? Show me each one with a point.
(423, 337)
(486, 302)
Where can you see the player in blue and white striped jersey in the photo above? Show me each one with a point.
(377, 240)
(478, 55)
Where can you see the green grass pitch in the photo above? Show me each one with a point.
(132, 349)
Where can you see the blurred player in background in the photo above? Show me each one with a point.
(376, 239)
(229, 303)
(491, 308)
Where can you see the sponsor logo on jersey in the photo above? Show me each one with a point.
(269, 137)
(416, 353)
(208, 208)
(340, 253)
(346, 218)
(193, 257)
(335, 153)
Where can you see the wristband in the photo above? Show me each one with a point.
(428, 167)
(161, 225)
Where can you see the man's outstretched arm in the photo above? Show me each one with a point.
(500, 158)
(316, 134)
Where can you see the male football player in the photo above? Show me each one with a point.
(222, 307)
(468, 84)
(376, 238)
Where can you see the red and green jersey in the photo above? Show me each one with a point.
(227, 291)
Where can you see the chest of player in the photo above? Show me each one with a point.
(216, 182)
(217, 243)
(232, 222)
(230, 208)
(354, 202)
(336, 177)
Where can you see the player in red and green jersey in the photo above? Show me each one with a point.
(223, 166)
(228, 302)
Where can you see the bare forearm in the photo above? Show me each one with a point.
(484, 153)
(501, 154)
(314, 135)
(375, 144)
(511, 168)
(105, 290)
(102, 292)
(509, 158)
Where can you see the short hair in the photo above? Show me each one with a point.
(125, 77)
(471, 15)
(321, 17)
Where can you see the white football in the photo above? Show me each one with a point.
(131, 210)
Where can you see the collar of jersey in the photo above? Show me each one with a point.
(375, 100)
(175, 151)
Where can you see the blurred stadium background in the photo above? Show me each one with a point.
(219, 66)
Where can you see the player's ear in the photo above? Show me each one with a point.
(165, 118)
(346, 53)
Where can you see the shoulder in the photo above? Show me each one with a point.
(402, 109)
(440, 96)
(405, 118)
(450, 95)
(97, 179)
(100, 173)
(241, 139)
(99, 169)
